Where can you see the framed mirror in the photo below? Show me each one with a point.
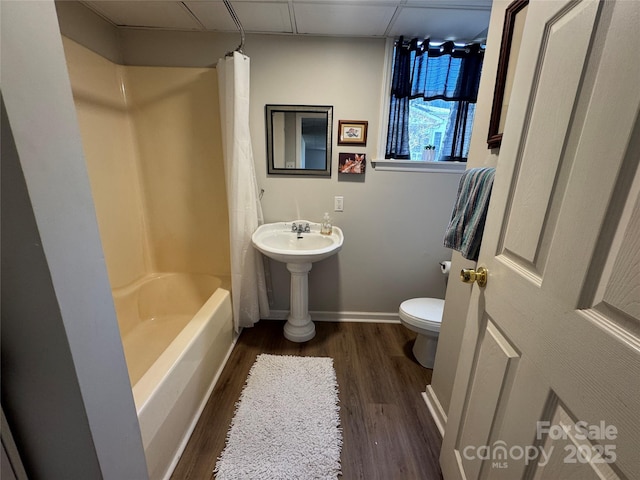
(299, 139)
(509, 48)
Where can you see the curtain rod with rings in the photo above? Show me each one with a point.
(236, 20)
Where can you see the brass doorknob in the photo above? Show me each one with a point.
(469, 276)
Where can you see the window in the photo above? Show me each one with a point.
(434, 89)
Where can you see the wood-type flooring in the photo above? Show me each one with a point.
(388, 433)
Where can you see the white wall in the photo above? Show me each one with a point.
(68, 379)
(40, 389)
(393, 222)
(90, 29)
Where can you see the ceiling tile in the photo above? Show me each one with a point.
(342, 19)
(354, 2)
(440, 23)
(254, 16)
(463, 4)
(157, 14)
(213, 15)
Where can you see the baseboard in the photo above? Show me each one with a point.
(322, 316)
(187, 436)
(435, 408)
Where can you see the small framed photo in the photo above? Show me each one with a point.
(351, 163)
(352, 132)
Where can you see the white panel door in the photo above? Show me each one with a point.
(548, 382)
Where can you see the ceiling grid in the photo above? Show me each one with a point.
(457, 20)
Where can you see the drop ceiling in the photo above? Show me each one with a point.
(458, 20)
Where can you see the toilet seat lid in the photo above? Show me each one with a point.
(423, 312)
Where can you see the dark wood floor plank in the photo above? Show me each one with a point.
(388, 433)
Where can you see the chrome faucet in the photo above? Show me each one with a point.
(300, 228)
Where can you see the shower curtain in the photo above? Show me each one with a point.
(248, 288)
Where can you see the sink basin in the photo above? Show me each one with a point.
(298, 251)
(277, 241)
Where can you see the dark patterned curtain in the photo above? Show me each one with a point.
(445, 72)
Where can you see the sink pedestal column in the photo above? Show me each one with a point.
(299, 327)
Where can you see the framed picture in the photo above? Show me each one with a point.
(509, 49)
(351, 163)
(352, 132)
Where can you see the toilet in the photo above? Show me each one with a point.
(423, 316)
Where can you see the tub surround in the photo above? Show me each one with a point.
(175, 114)
(151, 139)
(109, 144)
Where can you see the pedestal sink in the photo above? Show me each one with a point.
(298, 244)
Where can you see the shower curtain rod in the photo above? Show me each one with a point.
(236, 20)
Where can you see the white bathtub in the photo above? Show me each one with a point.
(177, 333)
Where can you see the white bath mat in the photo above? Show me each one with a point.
(286, 425)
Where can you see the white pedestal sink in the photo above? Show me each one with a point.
(298, 249)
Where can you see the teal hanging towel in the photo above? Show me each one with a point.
(464, 232)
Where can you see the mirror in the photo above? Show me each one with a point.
(299, 139)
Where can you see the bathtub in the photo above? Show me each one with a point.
(177, 333)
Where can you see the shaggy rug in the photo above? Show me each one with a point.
(286, 424)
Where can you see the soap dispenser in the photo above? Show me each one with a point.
(326, 224)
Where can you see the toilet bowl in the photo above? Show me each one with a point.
(423, 316)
